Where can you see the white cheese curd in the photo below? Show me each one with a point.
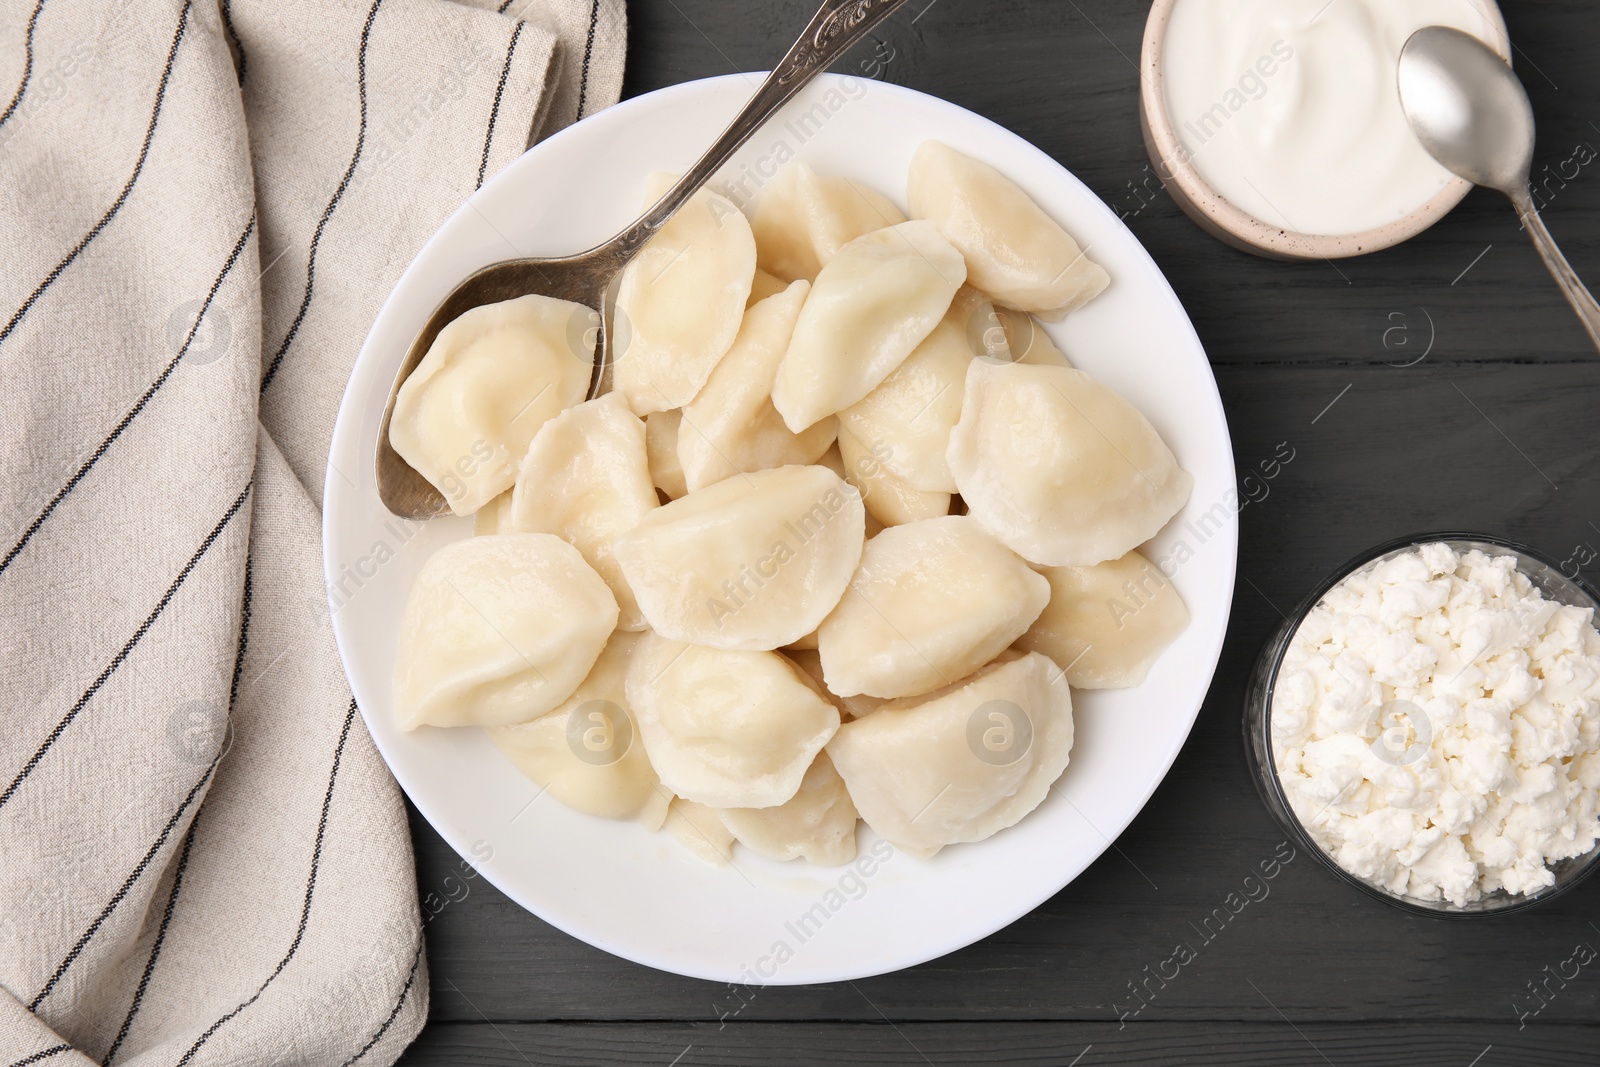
(1436, 726)
(1290, 109)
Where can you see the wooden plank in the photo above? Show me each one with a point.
(1280, 1044)
(1400, 451)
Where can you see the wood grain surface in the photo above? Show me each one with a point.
(1439, 385)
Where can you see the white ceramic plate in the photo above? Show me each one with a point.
(642, 896)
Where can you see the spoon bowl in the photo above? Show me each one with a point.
(1472, 114)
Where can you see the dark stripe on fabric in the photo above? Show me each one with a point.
(501, 10)
(327, 212)
(188, 840)
(53, 1050)
(394, 1013)
(494, 112)
(27, 65)
(161, 936)
(588, 54)
(233, 35)
(133, 413)
(122, 197)
(305, 908)
(138, 635)
(127, 886)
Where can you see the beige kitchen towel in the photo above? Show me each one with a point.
(202, 205)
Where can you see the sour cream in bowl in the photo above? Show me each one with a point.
(1277, 124)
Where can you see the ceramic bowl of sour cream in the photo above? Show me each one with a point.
(1277, 126)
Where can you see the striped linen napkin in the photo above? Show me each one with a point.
(202, 205)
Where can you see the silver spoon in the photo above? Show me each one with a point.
(587, 278)
(1470, 111)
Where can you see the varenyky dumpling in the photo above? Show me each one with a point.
(1015, 253)
(888, 499)
(661, 445)
(726, 729)
(818, 823)
(494, 517)
(681, 301)
(732, 426)
(587, 751)
(493, 376)
(804, 218)
(765, 285)
(1061, 468)
(587, 479)
(870, 307)
(754, 562)
(1107, 624)
(982, 323)
(913, 410)
(700, 830)
(931, 602)
(499, 630)
(964, 763)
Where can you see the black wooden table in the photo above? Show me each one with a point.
(1442, 384)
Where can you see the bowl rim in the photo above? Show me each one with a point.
(1257, 722)
(1230, 223)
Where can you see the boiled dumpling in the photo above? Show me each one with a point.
(804, 218)
(1059, 467)
(499, 630)
(1014, 251)
(870, 307)
(809, 660)
(493, 376)
(754, 562)
(962, 764)
(1107, 624)
(587, 479)
(587, 751)
(726, 729)
(888, 499)
(983, 324)
(1027, 341)
(931, 602)
(681, 301)
(912, 412)
(661, 445)
(818, 823)
(732, 426)
(494, 517)
(700, 830)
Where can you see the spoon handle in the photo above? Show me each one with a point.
(835, 28)
(1572, 286)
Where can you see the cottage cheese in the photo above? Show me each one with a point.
(1436, 726)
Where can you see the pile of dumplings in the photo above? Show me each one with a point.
(836, 546)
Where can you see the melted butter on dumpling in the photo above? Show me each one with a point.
(1061, 468)
(804, 218)
(499, 630)
(962, 764)
(726, 729)
(732, 427)
(753, 562)
(1107, 624)
(818, 823)
(587, 751)
(874, 302)
(1015, 252)
(493, 376)
(931, 602)
(587, 479)
(889, 500)
(681, 301)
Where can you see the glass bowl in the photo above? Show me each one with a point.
(1555, 585)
